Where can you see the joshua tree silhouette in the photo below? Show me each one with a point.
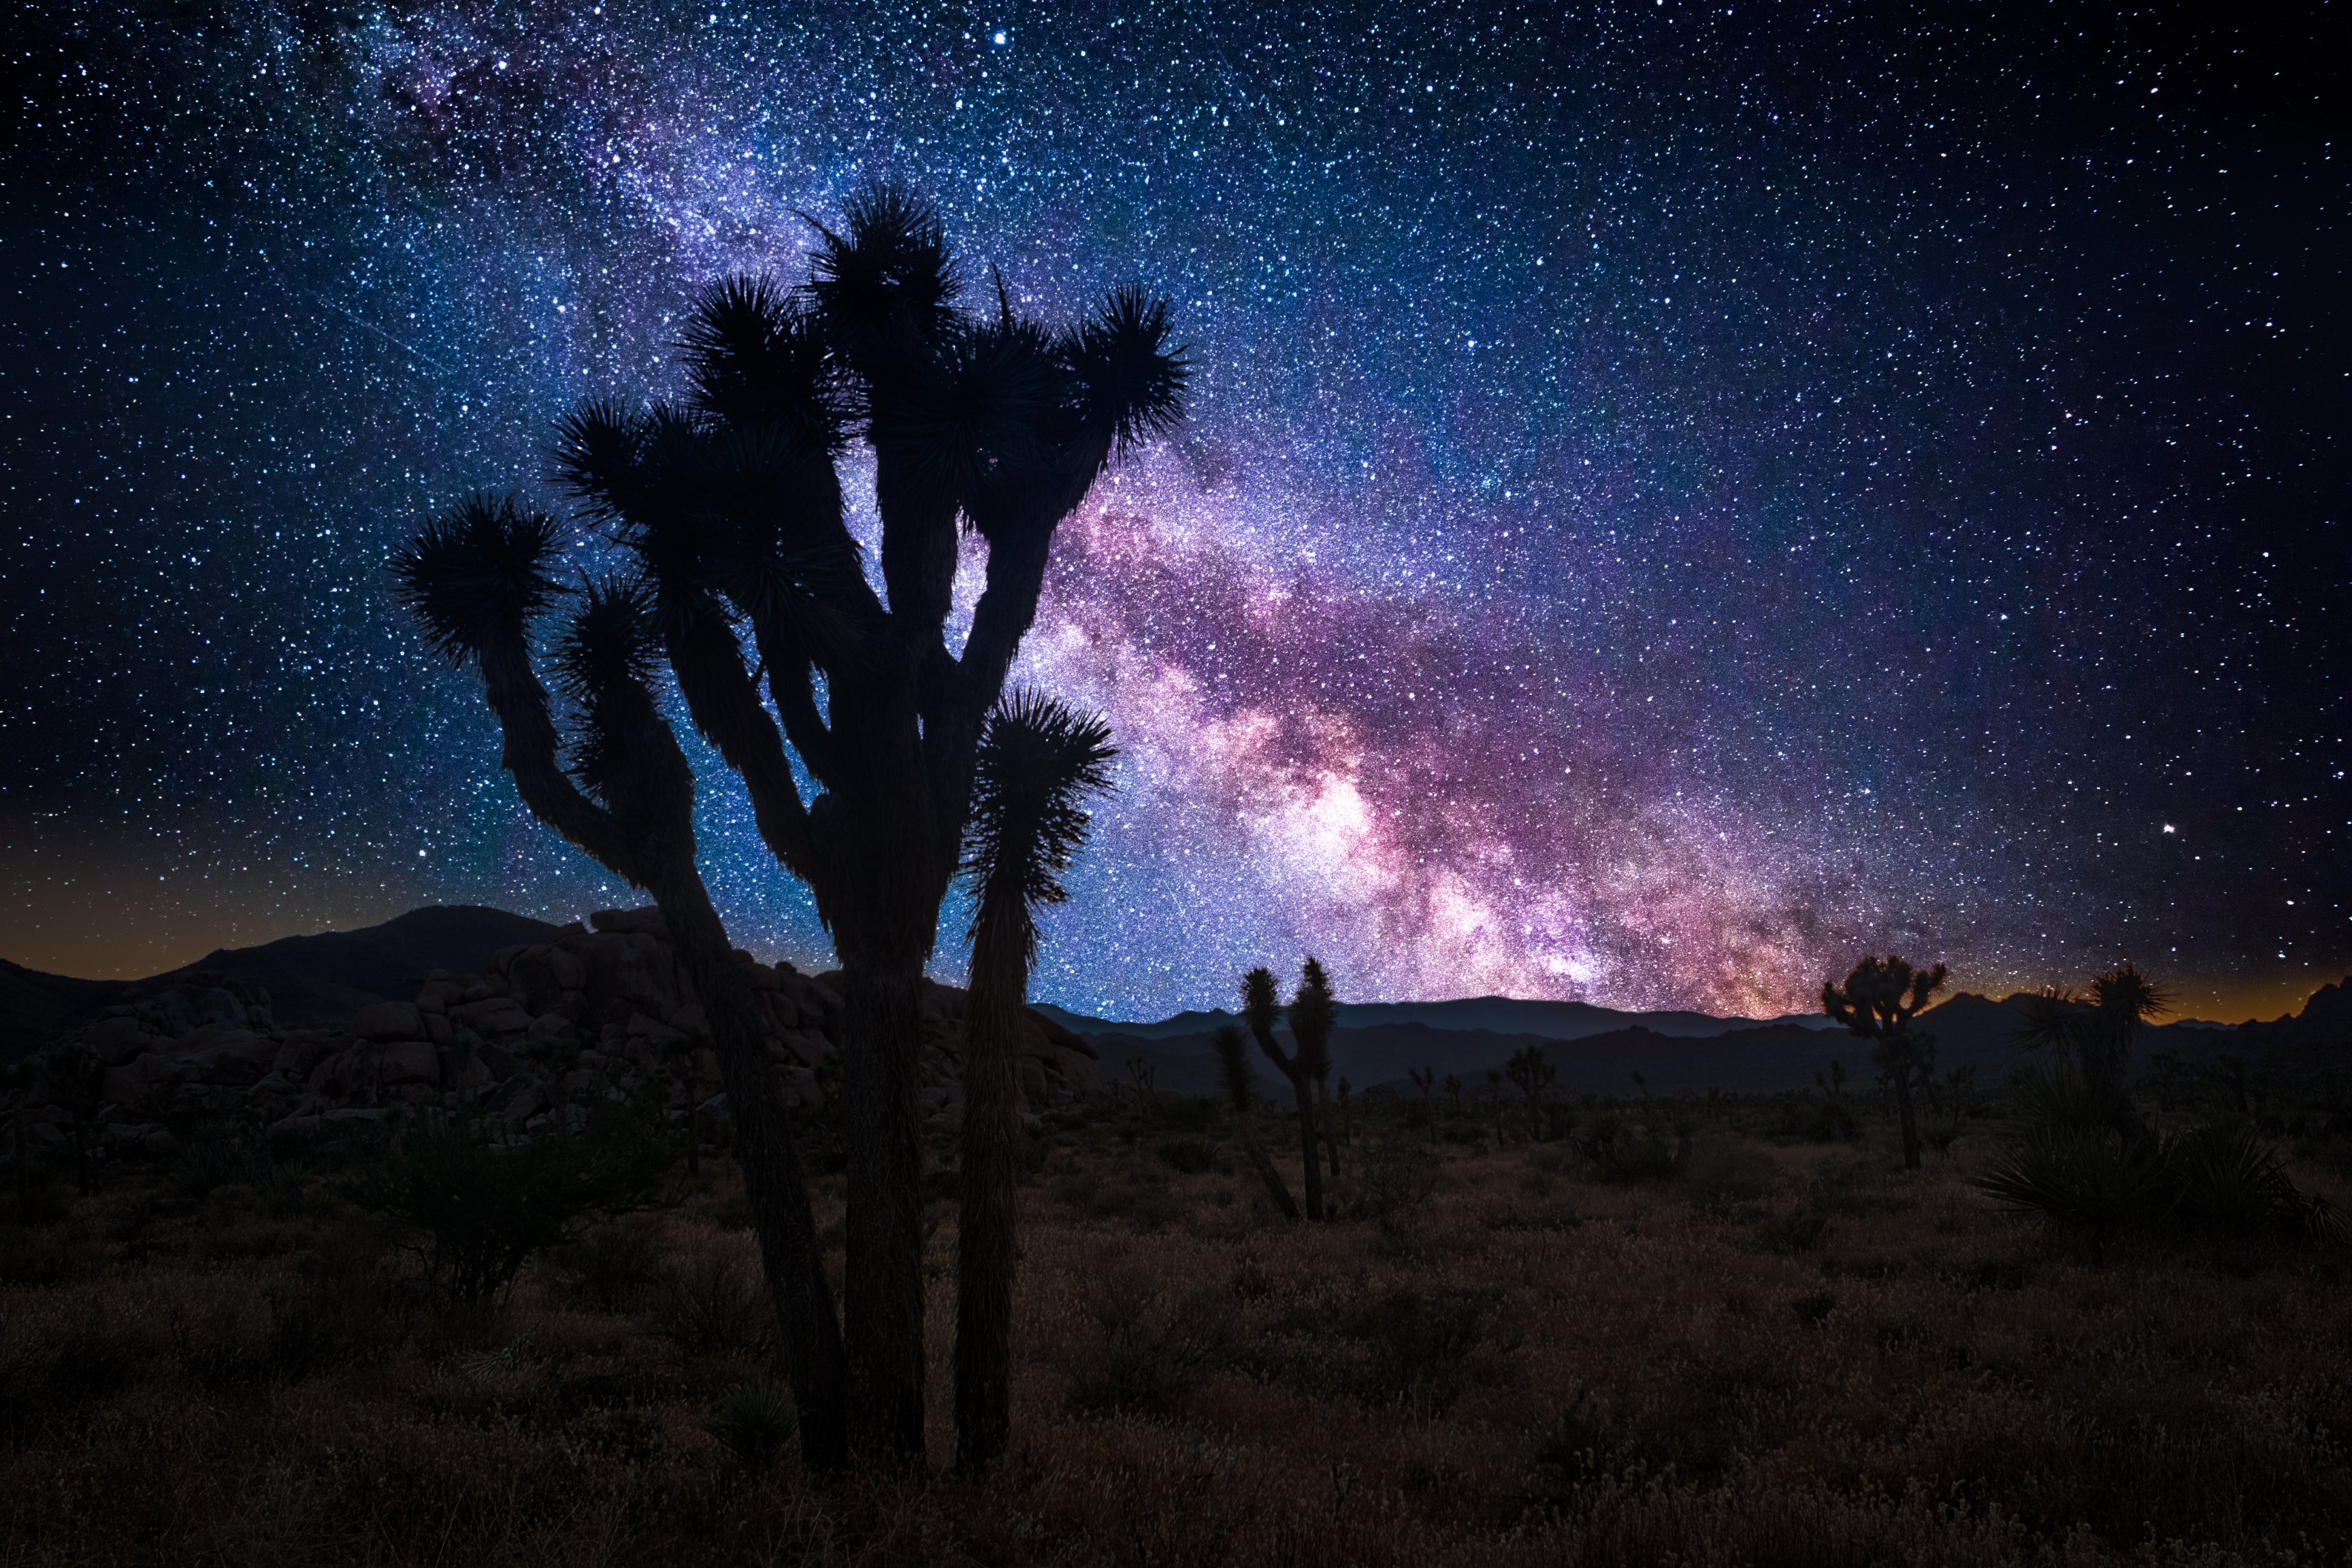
(1877, 1002)
(1426, 1080)
(1314, 1011)
(729, 505)
(1531, 1075)
(1261, 1012)
(478, 580)
(1240, 1086)
(1037, 764)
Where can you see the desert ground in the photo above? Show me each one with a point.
(1784, 1352)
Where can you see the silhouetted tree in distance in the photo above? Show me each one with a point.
(1240, 1087)
(1531, 1074)
(1314, 1013)
(1038, 763)
(729, 505)
(1426, 1080)
(1261, 1012)
(1877, 1002)
(479, 579)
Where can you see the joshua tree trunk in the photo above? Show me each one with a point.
(1305, 1094)
(1906, 1116)
(1245, 1126)
(882, 1282)
(987, 1242)
(772, 1177)
(1330, 1126)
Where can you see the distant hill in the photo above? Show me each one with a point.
(314, 982)
(1675, 1052)
(1494, 1014)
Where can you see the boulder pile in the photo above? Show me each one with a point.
(600, 1011)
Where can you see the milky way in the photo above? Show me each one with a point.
(1675, 497)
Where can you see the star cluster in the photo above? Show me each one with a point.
(1675, 497)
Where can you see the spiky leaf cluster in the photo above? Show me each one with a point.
(1039, 763)
(603, 660)
(478, 575)
(1314, 1013)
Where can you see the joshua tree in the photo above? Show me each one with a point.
(479, 579)
(1037, 765)
(1240, 1084)
(1147, 1085)
(1495, 1099)
(1877, 1002)
(1531, 1075)
(1313, 1013)
(1425, 1080)
(1454, 1091)
(730, 506)
(1261, 1012)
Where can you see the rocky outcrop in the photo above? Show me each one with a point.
(600, 1010)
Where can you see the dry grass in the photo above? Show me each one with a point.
(1790, 1355)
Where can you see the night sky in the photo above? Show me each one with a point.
(1675, 497)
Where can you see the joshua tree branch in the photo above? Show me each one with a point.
(726, 709)
(530, 753)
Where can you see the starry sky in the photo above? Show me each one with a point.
(1677, 496)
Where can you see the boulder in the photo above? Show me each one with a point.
(118, 1040)
(647, 921)
(406, 1062)
(492, 1017)
(388, 1021)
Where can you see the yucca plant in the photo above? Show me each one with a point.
(479, 579)
(1038, 765)
(753, 1424)
(2097, 1181)
(729, 505)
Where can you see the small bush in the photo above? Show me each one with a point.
(1146, 1346)
(1424, 1346)
(610, 1267)
(711, 1303)
(1394, 1178)
(474, 1210)
(1191, 1155)
(753, 1423)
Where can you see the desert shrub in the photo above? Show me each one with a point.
(1621, 1152)
(216, 1155)
(1940, 1133)
(1829, 1120)
(1142, 1345)
(1798, 1229)
(1726, 1171)
(709, 1300)
(1425, 1348)
(1394, 1176)
(30, 1257)
(610, 1266)
(36, 1205)
(1194, 1114)
(1191, 1155)
(753, 1422)
(474, 1211)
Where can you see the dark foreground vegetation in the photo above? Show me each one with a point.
(1687, 1330)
